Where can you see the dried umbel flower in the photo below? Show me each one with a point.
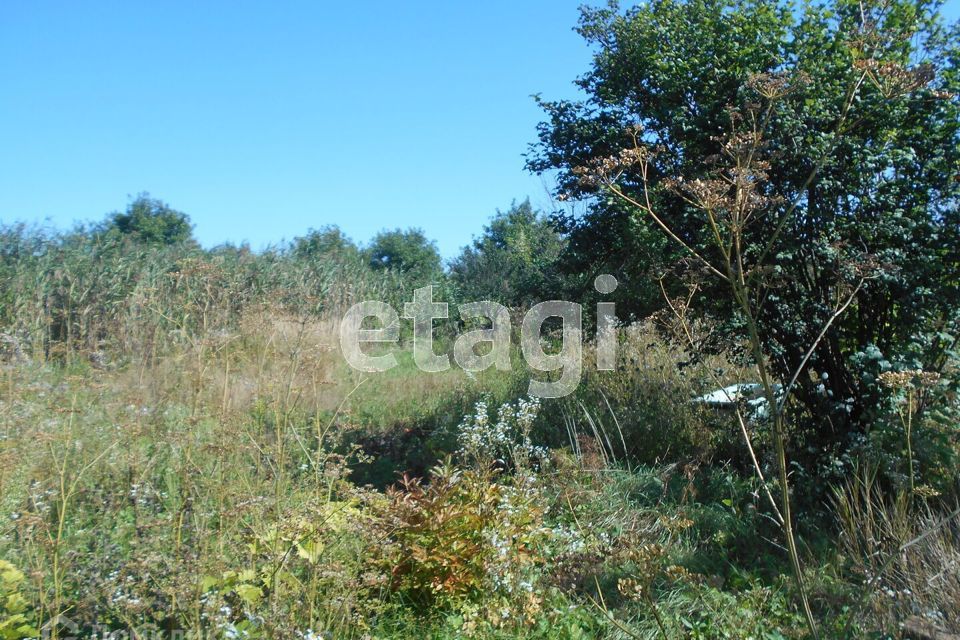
(895, 379)
(607, 169)
(741, 142)
(926, 491)
(709, 194)
(733, 191)
(676, 573)
(630, 588)
(773, 86)
(675, 524)
(909, 379)
(648, 554)
(893, 79)
(648, 558)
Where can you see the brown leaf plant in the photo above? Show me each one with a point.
(463, 538)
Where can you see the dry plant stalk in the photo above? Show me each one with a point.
(731, 199)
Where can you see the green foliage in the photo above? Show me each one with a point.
(642, 410)
(408, 252)
(562, 621)
(881, 206)
(670, 550)
(289, 542)
(511, 262)
(81, 292)
(325, 243)
(189, 451)
(754, 611)
(150, 221)
(241, 593)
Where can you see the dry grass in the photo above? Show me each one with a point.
(904, 552)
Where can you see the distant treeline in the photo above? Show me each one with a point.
(138, 280)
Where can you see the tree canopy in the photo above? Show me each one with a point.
(326, 242)
(511, 261)
(407, 251)
(151, 221)
(854, 106)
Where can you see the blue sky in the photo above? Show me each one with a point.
(263, 119)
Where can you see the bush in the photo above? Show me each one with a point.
(466, 537)
(642, 413)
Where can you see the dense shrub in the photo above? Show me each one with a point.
(463, 539)
(854, 106)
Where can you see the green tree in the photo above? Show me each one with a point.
(151, 221)
(511, 262)
(856, 107)
(327, 242)
(408, 252)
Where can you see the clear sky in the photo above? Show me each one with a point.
(263, 119)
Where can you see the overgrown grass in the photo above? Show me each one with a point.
(129, 505)
(182, 448)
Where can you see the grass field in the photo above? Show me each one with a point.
(251, 485)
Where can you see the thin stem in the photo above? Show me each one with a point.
(909, 444)
(616, 190)
(743, 426)
(823, 332)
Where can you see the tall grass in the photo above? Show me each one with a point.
(904, 550)
(187, 450)
(69, 295)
